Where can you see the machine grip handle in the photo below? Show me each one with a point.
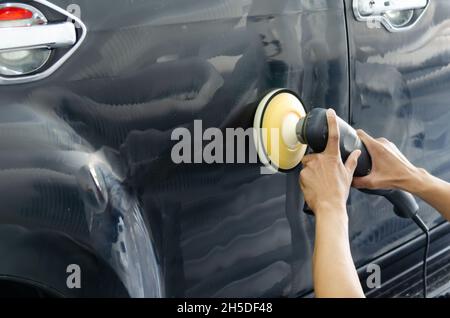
(405, 205)
(307, 209)
(315, 133)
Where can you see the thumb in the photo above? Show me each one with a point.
(352, 161)
(367, 140)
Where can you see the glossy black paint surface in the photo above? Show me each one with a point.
(146, 68)
(86, 153)
(400, 91)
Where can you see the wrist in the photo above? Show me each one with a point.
(335, 218)
(415, 180)
(337, 210)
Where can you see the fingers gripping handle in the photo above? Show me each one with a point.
(313, 130)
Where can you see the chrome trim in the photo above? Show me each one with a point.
(38, 18)
(38, 36)
(52, 69)
(371, 7)
(364, 13)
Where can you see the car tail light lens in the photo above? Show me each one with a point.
(14, 14)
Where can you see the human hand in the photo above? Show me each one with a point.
(390, 168)
(324, 179)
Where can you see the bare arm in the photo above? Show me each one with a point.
(334, 271)
(391, 170)
(434, 191)
(325, 182)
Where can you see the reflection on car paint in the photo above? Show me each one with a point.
(400, 92)
(148, 67)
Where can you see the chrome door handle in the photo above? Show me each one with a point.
(52, 36)
(28, 41)
(395, 15)
(377, 7)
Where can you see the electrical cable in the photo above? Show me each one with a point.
(421, 224)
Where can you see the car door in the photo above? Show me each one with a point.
(68, 225)
(399, 60)
(85, 152)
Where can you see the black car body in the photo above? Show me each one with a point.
(86, 175)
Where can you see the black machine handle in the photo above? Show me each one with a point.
(313, 130)
(405, 205)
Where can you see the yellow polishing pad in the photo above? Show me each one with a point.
(276, 119)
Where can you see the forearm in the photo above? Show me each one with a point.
(432, 190)
(334, 271)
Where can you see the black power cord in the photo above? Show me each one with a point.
(420, 223)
